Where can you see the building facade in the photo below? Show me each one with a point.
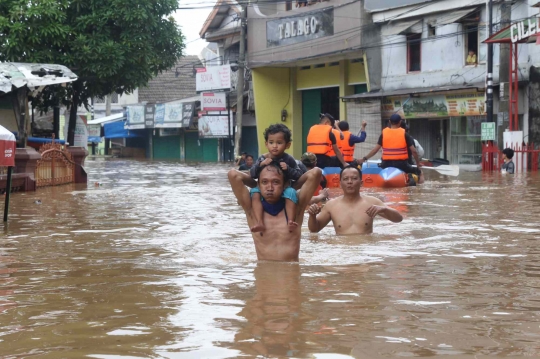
(304, 56)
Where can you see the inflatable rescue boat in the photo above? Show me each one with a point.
(372, 175)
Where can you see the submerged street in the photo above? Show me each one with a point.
(155, 260)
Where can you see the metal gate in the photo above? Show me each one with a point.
(56, 166)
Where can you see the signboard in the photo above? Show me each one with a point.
(188, 110)
(149, 112)
(214, 127)
(213, 101)
(135, 117)
(467, 104)
(213, 78)
(81, 134)
(296, 29)
(94, 130)
(168, 115)
(488, 131)
(523, 29)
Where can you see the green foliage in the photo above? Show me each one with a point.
(112, 45)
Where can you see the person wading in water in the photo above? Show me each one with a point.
(277, 243)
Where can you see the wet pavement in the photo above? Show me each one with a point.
(157, 262)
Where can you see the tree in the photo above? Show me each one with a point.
(112, 45)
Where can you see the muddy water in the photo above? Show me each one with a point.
(156, 262)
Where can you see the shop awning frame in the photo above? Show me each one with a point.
(480, 87)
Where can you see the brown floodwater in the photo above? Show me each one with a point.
(157, 262)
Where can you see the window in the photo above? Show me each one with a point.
(288, 5)
(414, 52)
(431, 31)
(471, 44)
(114, 97)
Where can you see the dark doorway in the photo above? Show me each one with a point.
(315, 102)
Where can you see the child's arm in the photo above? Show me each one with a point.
(293, 170)
(254, 171)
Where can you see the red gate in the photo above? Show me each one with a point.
(525, 157)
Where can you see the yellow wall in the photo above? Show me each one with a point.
(273, 90)
(357, 73)
(318, 77)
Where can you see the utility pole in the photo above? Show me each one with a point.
(489, 87)
(504, 75)
(240, 82)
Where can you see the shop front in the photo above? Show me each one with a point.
(447, 124)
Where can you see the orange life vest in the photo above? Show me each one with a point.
(346, 149)
(318, 140)
(394, 144)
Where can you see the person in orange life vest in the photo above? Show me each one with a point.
(346, 146)
(395, 142)
(321, 141)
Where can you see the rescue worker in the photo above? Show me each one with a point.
(395, 142)
(322, 142)
(346, 145)
(419, 148)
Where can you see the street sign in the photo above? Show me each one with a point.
(488, 131)
(213, 78)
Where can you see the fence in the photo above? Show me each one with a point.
(56, 166)
(525, 157)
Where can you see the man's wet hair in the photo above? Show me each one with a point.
(249, 156)
(508, 152)
(277, 167)
(277, 128)
(349, 167)
(343, 125)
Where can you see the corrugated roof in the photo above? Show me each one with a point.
(166, 87)
(33, 75)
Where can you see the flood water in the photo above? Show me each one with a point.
(157, 262)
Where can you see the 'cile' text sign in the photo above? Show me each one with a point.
(213, 101)
(523, 29)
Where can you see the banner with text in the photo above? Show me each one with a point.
(135, 117)
(214, 127)
(213, 101)
(213, 78)
(455, 105)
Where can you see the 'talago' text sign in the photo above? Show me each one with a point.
(300, 28)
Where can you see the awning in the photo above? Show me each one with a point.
(116, 130)
(517, 32)
(455, 16)
(33, 75)
(102, 120)
(398, 27)
(412, 91)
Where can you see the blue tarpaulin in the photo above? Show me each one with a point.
(94, 139)
(116, 130)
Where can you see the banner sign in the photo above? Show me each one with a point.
(94, 130)
(135, 117)
(214, 127)
(149, 116)
(300, 28)
(213, 78)
(488, 131)
(213, 101)
(188, 110)
(168, 115)
(466, 104)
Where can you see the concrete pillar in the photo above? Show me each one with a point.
(79, 154)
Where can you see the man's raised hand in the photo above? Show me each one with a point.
(373, 211)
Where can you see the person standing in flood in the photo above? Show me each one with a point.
(346, 145)
(351, 213)
(508, 165)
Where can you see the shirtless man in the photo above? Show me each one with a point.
(351, 213)
(277, 243)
